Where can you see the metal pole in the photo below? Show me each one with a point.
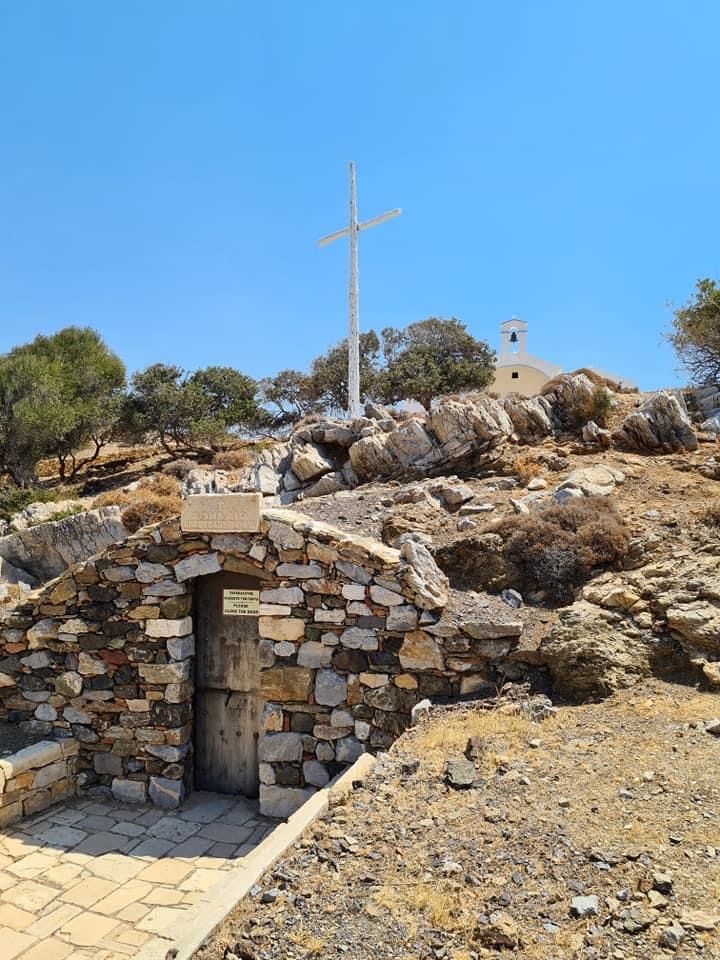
(353, 307)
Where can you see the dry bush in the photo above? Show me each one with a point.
(236, 459)
(525, 467)
(179, 468)
(557, 549)
(711, 515)
(155, 498)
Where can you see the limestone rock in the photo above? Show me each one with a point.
(659, 424)
(46, 550)
(310, 462)
(591, 652)
(595, 481)
(420, 651)
(699, 623)
(531, 418)
(421, 577)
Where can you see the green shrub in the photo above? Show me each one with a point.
(13, 499)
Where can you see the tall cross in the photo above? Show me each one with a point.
(352, 230)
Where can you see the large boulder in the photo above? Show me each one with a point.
(310, 462)
(570, 398)
(469, 425)
(46, 550)
(660, 424)
(594, 481)
(532, 418)
(591, 652)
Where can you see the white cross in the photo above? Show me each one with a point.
(352, 230)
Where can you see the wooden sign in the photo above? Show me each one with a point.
(241, 603)
(221, 513)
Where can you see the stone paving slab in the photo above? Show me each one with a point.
(95, 880)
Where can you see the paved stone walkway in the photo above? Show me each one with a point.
(92, 880)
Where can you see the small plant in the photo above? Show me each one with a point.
(557, 549)
(525, 468)
(179, 468)
(236, 459)
(711, 515)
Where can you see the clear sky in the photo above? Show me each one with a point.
(166, 167)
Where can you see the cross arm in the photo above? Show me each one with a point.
(381, 219)
(323, 241)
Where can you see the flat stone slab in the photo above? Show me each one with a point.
(99, 879)
(222, 513)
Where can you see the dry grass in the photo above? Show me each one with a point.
(439, 901)
(710, 516)
(155, 498)
(526, 468)
(311, 945)
(236, 459)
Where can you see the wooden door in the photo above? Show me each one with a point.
(227, 689)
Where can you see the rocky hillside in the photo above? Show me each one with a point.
(512, 829)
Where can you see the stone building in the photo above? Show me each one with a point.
(519, 372)
(258, 663)
(516, 370)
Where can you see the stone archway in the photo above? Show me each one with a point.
(350, 637)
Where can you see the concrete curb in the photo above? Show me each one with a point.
(215, 905)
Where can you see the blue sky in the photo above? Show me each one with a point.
(166, 167)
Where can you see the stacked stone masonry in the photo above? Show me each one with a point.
(36, 777)
(350, 640)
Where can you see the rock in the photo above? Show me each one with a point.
(585, 906)
(165, 793)
(14, 575)
(592, 433)
(512, 598)
(348, 749)
(315, 773)
(713, 726)
(595, 481)
(330, 483)
(532, 418)
(280, 748)
(420, 651)
(700, 920)
(592, 653)
(699, 623)
(69, 684)
(420, 710)
(465, 523)
(460, 774)
(310, 462)
(129, 791)
(500, 933)
(376, 411)
(659, 424)
(638, 919)
(424, 582)
(537, 483)
(492, 630)
(671, 937)
(46, 550)
(197, 565)
(456, 495)
(330, 688)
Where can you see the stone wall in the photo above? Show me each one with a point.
(36, 777)
(351, 638)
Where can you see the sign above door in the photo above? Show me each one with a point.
(221, 513)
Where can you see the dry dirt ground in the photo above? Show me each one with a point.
(618, 801)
